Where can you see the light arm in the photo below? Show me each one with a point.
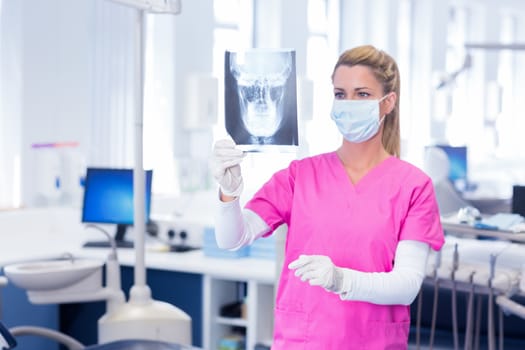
(154, 6)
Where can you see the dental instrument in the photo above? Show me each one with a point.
(510, 287)
(473, 275)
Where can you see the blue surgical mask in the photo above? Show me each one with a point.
(357, 120)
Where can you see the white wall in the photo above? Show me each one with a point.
(65, 70)
(52, 74)
(10, 102)
(194, 49)
(70, 73)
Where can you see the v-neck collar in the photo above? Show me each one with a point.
(369, 176)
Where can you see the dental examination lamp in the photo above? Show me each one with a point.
(142, 317)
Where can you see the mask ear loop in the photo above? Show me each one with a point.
(382, 98)
(379, 101)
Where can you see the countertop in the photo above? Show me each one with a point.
(28, 239)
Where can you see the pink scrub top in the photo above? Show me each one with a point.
(358, 227)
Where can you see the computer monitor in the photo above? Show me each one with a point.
(518, 200)
(108, 199)
(458, 169)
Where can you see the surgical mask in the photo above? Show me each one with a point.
(357, 120)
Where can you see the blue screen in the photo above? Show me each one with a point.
(108, 196)
(457, 157)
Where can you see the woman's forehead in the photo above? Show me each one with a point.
(355, 77)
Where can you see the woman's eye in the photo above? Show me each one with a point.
(339, 95)
(363, 94)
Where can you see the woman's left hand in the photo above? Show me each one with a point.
(318, 270)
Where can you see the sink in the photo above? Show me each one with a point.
(51, 274)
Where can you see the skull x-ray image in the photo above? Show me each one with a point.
(261, 98)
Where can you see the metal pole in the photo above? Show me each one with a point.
(139, 188)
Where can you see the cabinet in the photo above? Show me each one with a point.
(17, 310)
(258, 324)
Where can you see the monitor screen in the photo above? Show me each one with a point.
(457, 157)
(518, 200)
(108, 198)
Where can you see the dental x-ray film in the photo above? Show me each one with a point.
(261, 99)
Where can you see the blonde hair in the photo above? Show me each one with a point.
(385, 70)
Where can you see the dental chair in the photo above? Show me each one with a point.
(8, 340)
(9, 336)
(436, 165)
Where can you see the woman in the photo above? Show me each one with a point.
(360, 220)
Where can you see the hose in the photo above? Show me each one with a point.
(470, 314)
(500, 329)
(511, 306)
(437, 264)
(69, 342)
(418, 318)
(490, 311)
(478, 322)
(455, 265)
(434, 314)
(490, 317)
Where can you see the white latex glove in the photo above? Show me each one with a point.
(226, 167)
(318, 270)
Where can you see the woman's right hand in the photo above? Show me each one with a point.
(226, 167)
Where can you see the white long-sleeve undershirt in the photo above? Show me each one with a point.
(399, 286)
(235, 228)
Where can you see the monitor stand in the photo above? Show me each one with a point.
(120, 242)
